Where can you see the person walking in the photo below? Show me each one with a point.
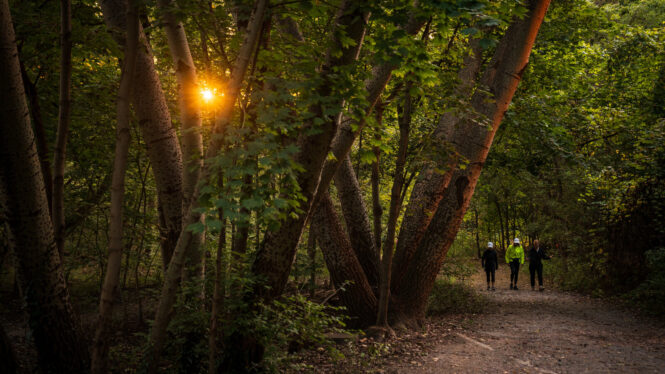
(490, 262)
(514, 258)
(536, 257)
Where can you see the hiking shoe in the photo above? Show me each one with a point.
(488, 288)
(493, 289)
(515, 288)
(511, 286)
(533, 288)
(541, 289)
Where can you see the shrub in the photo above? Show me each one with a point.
(649, 296)
(454, 297)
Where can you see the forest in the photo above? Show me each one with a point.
(227, 186)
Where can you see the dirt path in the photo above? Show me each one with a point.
(547, 332)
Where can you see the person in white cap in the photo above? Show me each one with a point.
(515, 258)
(490, 263)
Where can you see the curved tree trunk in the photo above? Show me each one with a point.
(100, 346)
(357, 221)
(345, 270)
(55, 327)
(156, 128)
(473, 142)
(190, 117)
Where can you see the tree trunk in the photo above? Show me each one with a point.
(345, 270)
(55, 327)
(7, 354)
(156, 128)
(58, 195)
(110, 287)
(311, 252)
(395, 206)
(357, 222)
(217, 298)
(190, 117)
(473, 142)
(377, 210)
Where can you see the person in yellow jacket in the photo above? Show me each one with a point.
(514, 258)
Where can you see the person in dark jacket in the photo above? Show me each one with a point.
(536, 257)
(490, 263)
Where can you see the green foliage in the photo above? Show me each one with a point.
(450, 297)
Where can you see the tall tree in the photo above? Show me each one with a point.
(56, 329)
(110, 286)
(156, 128)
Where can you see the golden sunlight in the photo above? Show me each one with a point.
(207, 94)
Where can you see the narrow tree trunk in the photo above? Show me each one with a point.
(311, 252)
(502, 77)
(40, 134)
(377, 210)
(55, 327)
(217, 298)
(345, 270)
(156, 128)
(58, 195)
(101, 342)
(395, 206)
(190, 117)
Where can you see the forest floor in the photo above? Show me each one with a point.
(528, 331)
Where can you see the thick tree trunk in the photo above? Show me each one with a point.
(156, 128)
(55, 328)
(276, 255)
(101, 344)
(471, 141)
(58, 195)
(357, 222)
(190, 117)
(345, 270)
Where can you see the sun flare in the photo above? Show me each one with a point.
(207, 94)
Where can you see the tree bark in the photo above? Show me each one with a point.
(395, 206)
(58, 195)
(217, 298)
(471, 141)
(55, 327)
(357, 221)
(156, 128)
(190, 117)
(7, 354)
(100, 346)
(311, 252)
(345, 270)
